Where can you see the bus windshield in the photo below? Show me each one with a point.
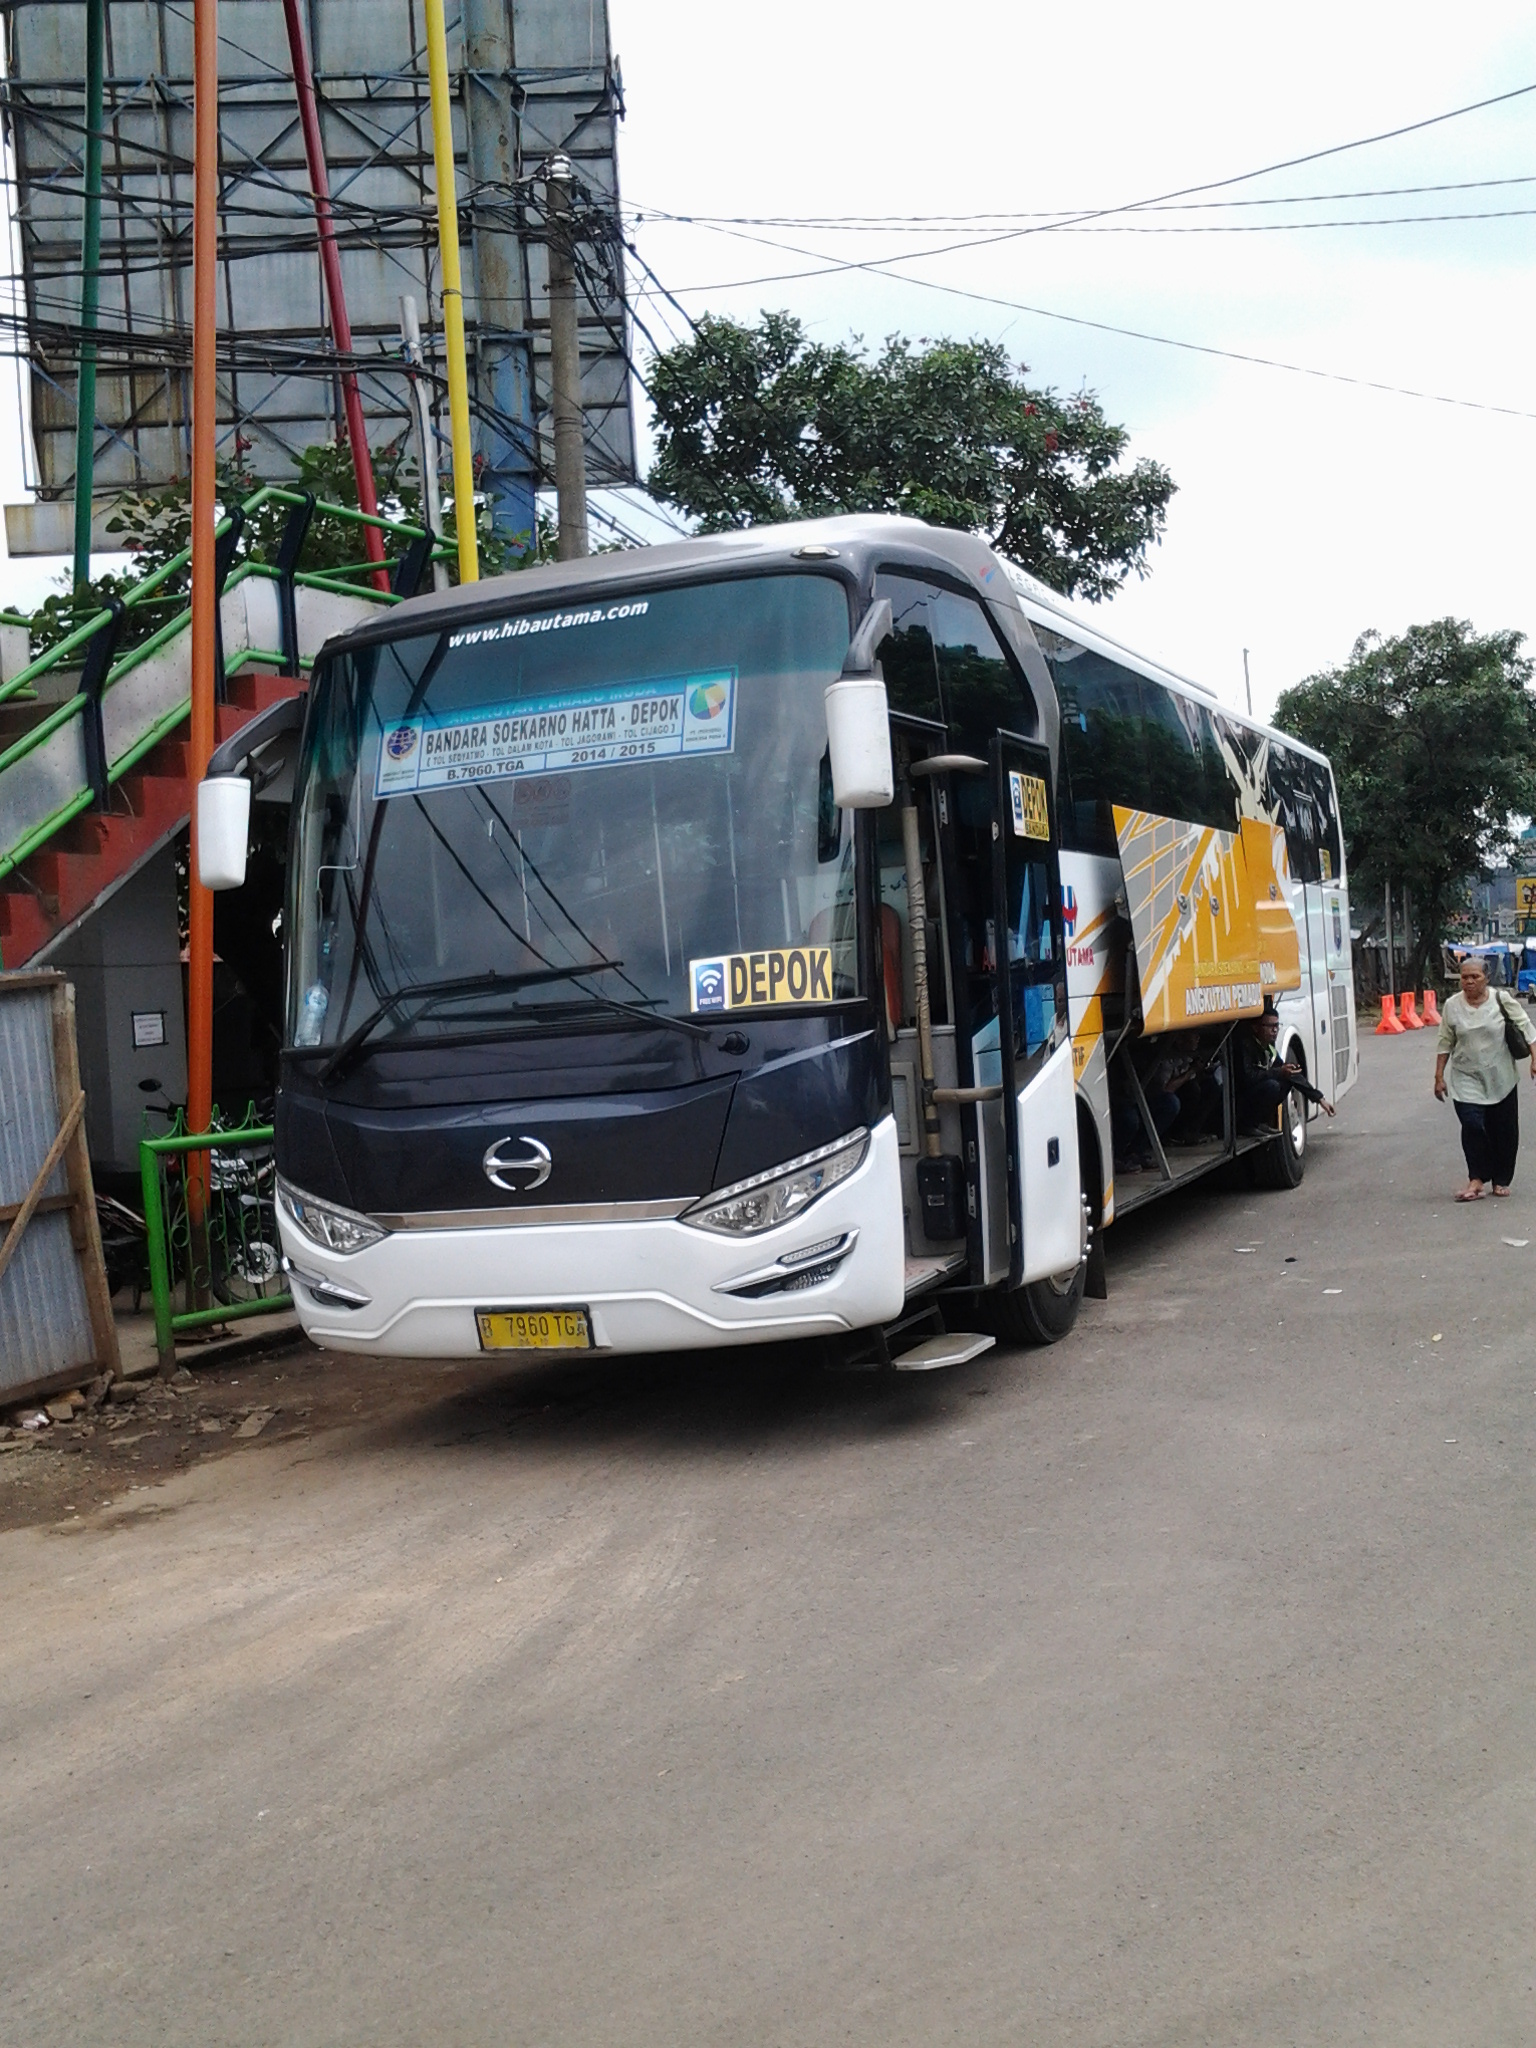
(578, 813)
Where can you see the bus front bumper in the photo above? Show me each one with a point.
(649, 1284)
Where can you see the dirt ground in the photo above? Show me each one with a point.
(148, 1429)
(1174, 1687)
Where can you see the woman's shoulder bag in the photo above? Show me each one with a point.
(1516, 1036)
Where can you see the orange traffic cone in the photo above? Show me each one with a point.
(1431, 1007)
(1389, 1026)
(1408, 1017)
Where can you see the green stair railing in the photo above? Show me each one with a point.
(45, 775)
(270, 494)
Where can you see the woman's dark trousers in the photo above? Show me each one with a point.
(1490, 1137)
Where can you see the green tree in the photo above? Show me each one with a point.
(757, 424)
(155, 526)
(1432, 736)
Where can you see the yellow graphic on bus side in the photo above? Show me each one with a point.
(1211, 917)
(752, 981)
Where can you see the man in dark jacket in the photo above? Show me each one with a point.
(1263, 1082)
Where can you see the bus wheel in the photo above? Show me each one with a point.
(1044, 1311)
(1281, 1164)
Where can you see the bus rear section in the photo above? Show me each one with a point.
(1203, 875)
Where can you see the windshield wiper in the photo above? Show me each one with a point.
(642, 1014)
(441, 991)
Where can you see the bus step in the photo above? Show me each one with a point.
(923, 1274)
(954, 1349)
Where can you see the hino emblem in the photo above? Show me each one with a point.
(535, 1162)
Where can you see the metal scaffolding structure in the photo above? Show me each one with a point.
(531, 79)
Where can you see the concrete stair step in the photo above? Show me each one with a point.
(88, 856)
(256, 688)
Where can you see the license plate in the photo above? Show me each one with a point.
(534, 1329)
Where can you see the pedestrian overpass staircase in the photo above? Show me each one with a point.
(95, 758)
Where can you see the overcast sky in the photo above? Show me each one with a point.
(1307, 510)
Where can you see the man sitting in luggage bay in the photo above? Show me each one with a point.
(1263, 1082)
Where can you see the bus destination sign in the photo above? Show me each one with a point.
(750, 981)
(599, 728)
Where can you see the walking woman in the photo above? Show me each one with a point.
(1476, 1067)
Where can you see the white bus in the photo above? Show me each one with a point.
(779, 934)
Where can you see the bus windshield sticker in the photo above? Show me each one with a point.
(749, 981)
(550, 622)
(1031, 817)
(606, 727)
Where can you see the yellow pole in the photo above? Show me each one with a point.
(453, 294)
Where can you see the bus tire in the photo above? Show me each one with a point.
(1282, 1163)
(1043, 1311)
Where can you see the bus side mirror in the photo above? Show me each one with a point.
(858, 721)
(224, 798)
(223, 830)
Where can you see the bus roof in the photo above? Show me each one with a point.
(853, 545)
(1043, 606)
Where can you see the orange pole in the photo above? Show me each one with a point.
(205, 255)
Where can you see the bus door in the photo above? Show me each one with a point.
(962, 789)
(1314, 966)
(1341, 986)
(1002, 1172)
(1033, 1036)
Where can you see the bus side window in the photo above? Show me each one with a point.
(1103, 751)
(1290, 805)
(1242, 751)
(1315, 780)
(943, 660)
(1332, 849)
(906, 653)
(982, 694)
(1188, 777)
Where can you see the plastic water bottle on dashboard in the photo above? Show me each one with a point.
(312, 1015)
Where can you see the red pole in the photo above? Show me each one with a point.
(330, 263)
(205, 255)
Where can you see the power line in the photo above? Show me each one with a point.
(1120, 227)
(932, 223)
(1317, 155)
(1144, 334)
(1159, 199)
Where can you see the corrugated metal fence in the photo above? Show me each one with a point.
(55, 1315)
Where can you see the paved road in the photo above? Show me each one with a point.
(1174, 1686)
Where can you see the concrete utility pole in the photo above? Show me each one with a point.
(90, 284)
(510, 473)
(1247, 685)
(565, 366)
(421, 412)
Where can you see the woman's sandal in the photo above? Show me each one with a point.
(1501, 1192)
(1470, 1195)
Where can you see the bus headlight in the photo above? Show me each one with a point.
(768, 1199)
(333, 1229)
